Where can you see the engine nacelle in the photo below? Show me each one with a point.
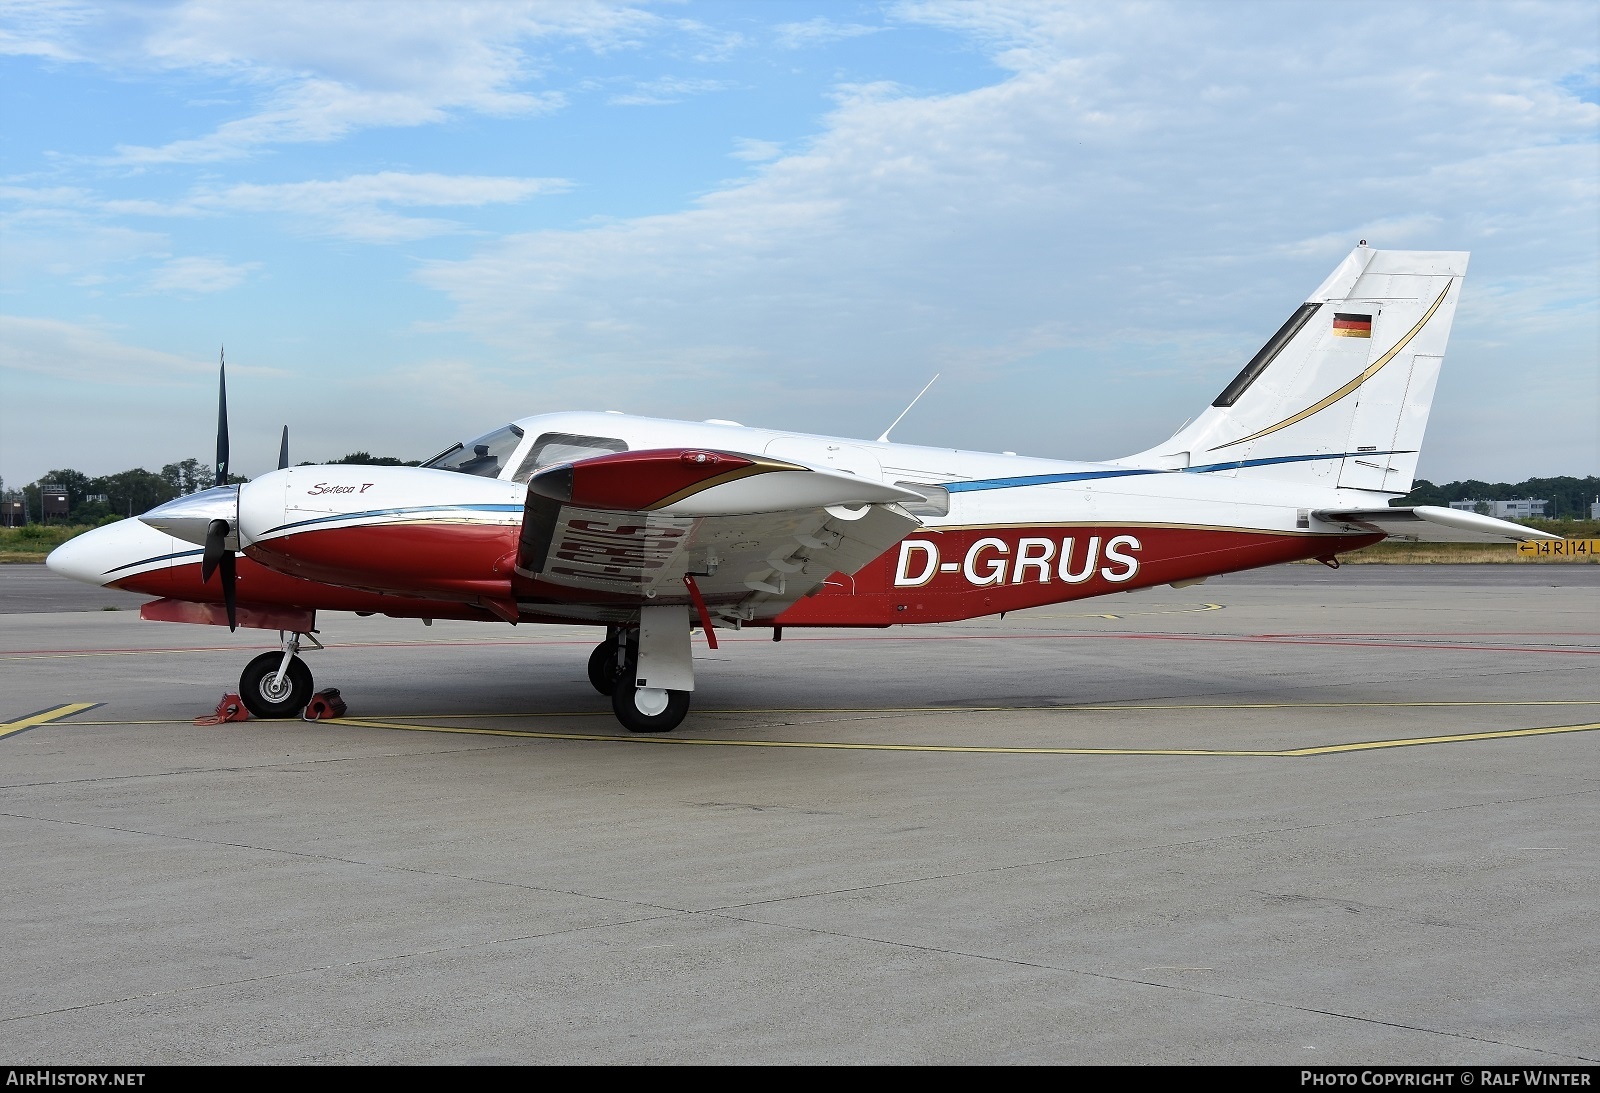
(386, 529)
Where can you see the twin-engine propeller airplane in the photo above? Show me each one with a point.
(651, 527)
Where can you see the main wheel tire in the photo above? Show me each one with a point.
(662, 711)
(285, 699)
(603, 668)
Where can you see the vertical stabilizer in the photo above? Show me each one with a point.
(1339, 396)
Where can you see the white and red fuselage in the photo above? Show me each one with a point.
(603, 517)
(1017, 532)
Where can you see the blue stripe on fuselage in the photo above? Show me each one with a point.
(395, 512)
(1124, 472)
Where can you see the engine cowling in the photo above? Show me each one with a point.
(387, 529)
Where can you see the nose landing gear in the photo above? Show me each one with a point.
(278, 684)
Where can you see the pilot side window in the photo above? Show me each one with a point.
(935, 499)
(485, 456)
(553, 448)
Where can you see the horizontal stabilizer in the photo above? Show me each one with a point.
(1431, 524)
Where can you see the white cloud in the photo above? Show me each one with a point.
(1122, 204)
(73, 353)
(358, 207)
(42, 242)
(322, 70)
(752, 150)
(668, 90)
(78, 396)
(314, 110)
(819, 31)
(197, 275)
(1395, 231)
(41, 28)
(44, 196)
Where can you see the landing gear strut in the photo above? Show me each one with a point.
(647, 672)
(278, 684)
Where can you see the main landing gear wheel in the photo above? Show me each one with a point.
(603, 674)
(649, 709)
(265, 695)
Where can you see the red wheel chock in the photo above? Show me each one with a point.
(323, 705)
(231, 708)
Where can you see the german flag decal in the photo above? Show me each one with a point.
(1352, 326)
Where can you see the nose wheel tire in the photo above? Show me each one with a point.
(603, 667)
(649, 709)
(267, 696)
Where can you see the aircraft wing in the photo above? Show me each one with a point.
(753, 534)
(1431, 524)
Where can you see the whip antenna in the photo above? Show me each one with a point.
(884, 439)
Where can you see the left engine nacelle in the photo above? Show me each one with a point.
(386, 529)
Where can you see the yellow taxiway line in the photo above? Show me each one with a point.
(1187, 707)
(754, 711)
(43, 717)
(409, 723)
(833, 745)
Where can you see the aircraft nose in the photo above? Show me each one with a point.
(82, 558)
(112, 552)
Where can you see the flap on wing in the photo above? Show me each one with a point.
(1431, 524)
(756, 534)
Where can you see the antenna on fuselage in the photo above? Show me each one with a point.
(884, 439)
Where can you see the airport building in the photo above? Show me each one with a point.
(1521, 508)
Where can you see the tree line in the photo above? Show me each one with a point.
(93, 500)
(1569, 497)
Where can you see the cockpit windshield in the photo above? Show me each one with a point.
(485, 456)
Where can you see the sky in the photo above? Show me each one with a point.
(411, 222)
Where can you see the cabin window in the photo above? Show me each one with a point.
(553, 448)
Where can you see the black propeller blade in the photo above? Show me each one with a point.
(230, 596)
(217, 555)
(283, 449)
(222, 420)
(216, 549)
